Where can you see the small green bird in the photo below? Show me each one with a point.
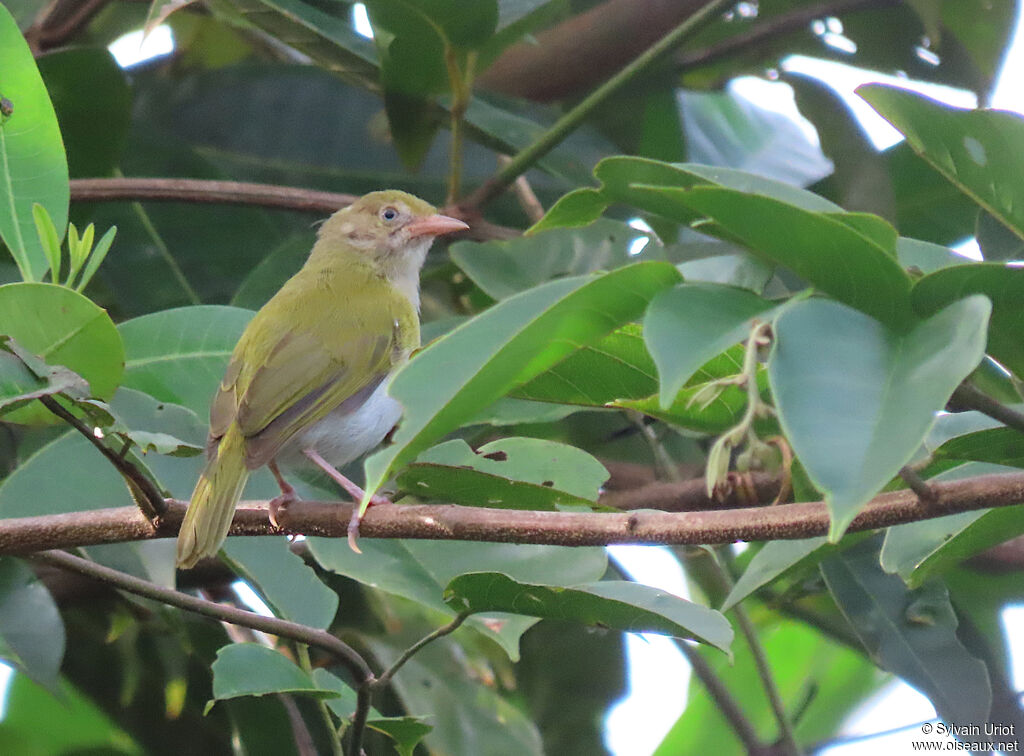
(307, 381)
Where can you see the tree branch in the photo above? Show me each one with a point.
(149, 498)
(258, 195)
(967, 396)
(565, 125)
(207, 191)
(776, 26)
(321, 639)
(451, 522)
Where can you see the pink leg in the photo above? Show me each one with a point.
(279, 504)
(352, 489)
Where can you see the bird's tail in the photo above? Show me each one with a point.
(212, 507)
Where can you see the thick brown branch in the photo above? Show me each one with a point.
(446, 521)
(584, 50)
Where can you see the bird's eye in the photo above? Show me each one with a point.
(389, 213)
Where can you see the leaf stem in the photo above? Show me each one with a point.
(565, 125)
(149, 498)
(302, 654)
(442, 631)
(970, 397)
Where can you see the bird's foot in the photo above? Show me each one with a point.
(278, 508)
(357, 518)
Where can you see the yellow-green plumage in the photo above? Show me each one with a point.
(314, 355)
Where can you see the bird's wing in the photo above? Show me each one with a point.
(274, 388)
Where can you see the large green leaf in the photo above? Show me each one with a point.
(468, 369)
(503, 268)
(1002, 284)
(981, 151)
(289, 585)
(24, 377)
(419, 570)
(688, 325)
(616, 367)
(180, 355)
(881, 389)
(31, 629)
(63, 328)
(774, 558)
(249, 669)
(33, 166)
(511, 473)
(842, 254)
(630, 180)
(910, 633)
(618, 604)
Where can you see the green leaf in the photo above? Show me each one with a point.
(617, 604)
(980, 151)
(637, 182)
(503, 268)
(511, 473)
(999, 446)
(96, 256)
(419, 570)
(328, 39)
(48, 237)
(23, 377)
(997, 242)
(289, 585)
(828, 254)
(926, 256)
(468, 712)
(156, 426)
(516, 340)
(686, 326)
(1002, 284)
(774, 558)
(692, 410)
(882, 390)
(33, 166)
(63, 328)
(75, 723)
(460, 24)
(249, 669)
(910, 633)
(616, 367)
(30, 624)
(406, 732)
(180, 355)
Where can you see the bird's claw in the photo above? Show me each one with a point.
(278, 508)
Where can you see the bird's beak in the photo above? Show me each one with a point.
(435, 225)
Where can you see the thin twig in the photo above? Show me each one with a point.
(916, 484)
(210, 192)
(452, 522)
(151, 501)
(723, 699)
(775, 26)
(764, 672)
(565, 125)
(528, 200)
(255, 195)
(337, 648)
(969, 397)
(442, 631)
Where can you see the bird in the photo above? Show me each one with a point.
(307, 381)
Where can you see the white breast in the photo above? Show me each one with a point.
(344, 436)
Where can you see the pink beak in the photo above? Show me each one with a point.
(435, 225)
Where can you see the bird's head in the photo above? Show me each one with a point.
(389, 226)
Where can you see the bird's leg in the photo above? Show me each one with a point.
(353, 490)
(279, 504)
